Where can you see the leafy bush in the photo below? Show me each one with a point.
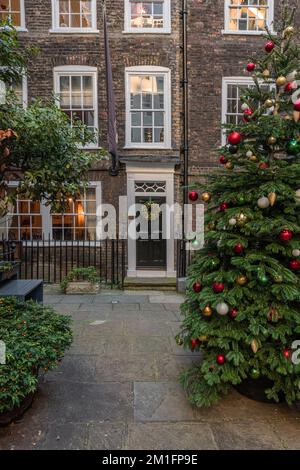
(35, 338)
(89, 274)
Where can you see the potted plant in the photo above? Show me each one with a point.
(8, 270)
(81, 281)
(35, 338)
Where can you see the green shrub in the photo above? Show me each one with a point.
(35, 338)
(89, 274)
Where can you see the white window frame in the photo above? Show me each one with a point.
(45, 213)
(166, 15)
(22, 26)
(153, 71)
(80, 70)
(269, 22)
(242, 81)
(24, 91)
(55, 21)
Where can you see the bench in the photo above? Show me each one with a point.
(23, 290)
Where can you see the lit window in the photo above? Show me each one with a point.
(29, 220)
(79, 222)
(13, 10)
(77, 94)
(148, 109)
(74, 15)
(248, 16)
(24, 222)
(147, 16)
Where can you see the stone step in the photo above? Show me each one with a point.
(151, 283)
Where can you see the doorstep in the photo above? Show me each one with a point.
(151, 283)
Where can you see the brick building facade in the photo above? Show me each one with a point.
(146, 49)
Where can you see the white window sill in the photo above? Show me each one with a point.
(246, 33)
(147, 147)
(73, 31)
(147, 31)
(20, 29)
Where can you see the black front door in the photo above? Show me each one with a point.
(151, 250)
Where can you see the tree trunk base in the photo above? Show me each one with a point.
(255, 390)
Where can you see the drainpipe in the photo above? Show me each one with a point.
(185, 143)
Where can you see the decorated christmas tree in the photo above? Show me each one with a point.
(243, 297)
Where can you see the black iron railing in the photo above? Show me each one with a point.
(51, 260)
(184, 258)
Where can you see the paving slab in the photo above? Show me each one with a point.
(62, 402)
(170, 436)
(68, 436)
(288, 431)
(146, 327)
(126, 368)
(245, 436)
(106, 436)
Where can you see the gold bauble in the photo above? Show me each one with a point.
(272, 198)
(241, 280)
(207, 311)
(288, 31)
(288, 117)
(254, 346)
(269, 103)
(179, 341)
(203, 338)
(266, 73)
(206, 197)
(281, 81)
(253, 158)
(229, 166)
(242, 218)
(272, 140)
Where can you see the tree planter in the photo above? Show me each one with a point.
(5, 275)
(9, 416)
(82, 287)
(255, 389)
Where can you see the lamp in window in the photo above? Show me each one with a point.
(80, 215)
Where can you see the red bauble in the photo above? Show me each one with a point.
(233, 312)
(290, 87)
(223, 160)
(269, 46)
(218, 287)
(238, 248)
(223, 206)
(263, 166)
(247, 114)
(220, 359)
(250, 67)
(234, 138)
(193, 196)
(286, 235)
(286, 353)
(194, 343)
(197, 287)
(294, 264)
(297, 105)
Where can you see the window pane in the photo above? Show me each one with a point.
(147, 118)
(158, 135)
(159, 119)
(158, 102)
(136, 135)
(136, 119)
(135, 101)
(147, 102)
(148, 135)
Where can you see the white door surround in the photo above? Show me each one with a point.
(144, 172)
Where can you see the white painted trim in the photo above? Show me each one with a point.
(270, 20)
(167, 21)
(149, 70)
(55, 21)
(80, 70)
(146, 172)
(243, 81)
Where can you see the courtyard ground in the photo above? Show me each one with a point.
(117, 388)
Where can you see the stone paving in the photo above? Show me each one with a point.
(117, 388)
